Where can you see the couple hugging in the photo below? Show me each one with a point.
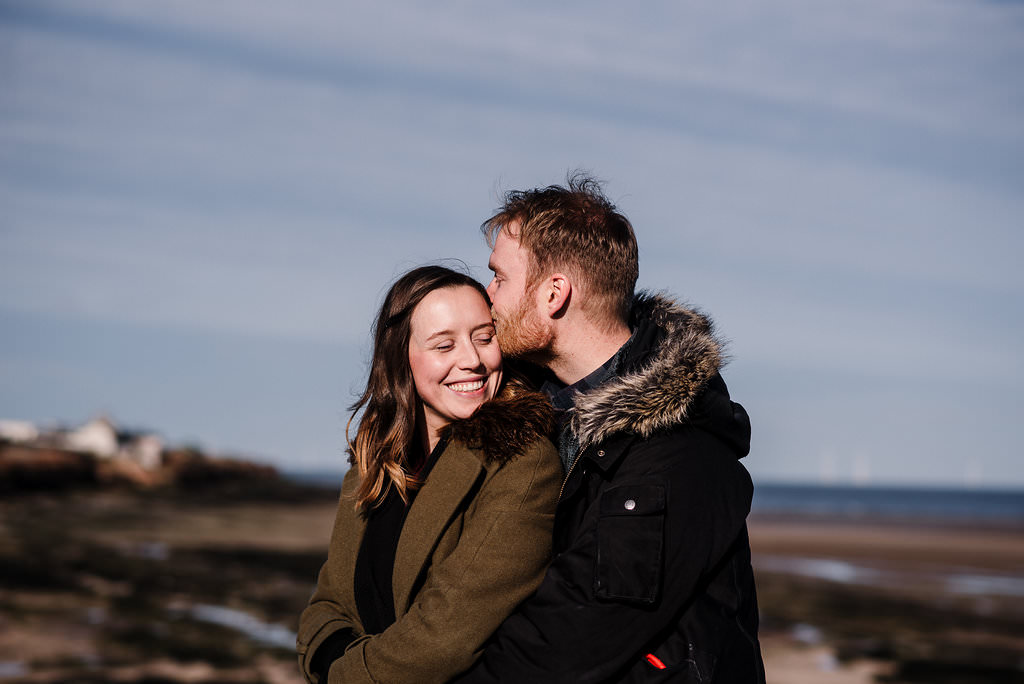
(575, 512)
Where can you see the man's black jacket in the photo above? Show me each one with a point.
(651, 581)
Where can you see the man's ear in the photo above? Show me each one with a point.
(557, 294)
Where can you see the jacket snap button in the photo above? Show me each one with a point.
(600, 454)
(630, 504)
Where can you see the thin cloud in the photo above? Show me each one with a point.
(809, 172)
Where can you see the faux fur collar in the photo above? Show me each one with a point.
(504, 427)
(660, 393)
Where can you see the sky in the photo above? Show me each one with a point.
(202, 205)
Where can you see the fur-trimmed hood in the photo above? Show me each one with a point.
(659, 389)
(504, 427)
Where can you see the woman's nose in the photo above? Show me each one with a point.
(468, 357)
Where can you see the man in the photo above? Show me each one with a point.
(651, 580)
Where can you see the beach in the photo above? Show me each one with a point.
(896, 600)
(207, 586)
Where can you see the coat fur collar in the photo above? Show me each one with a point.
(504, 427)
(661, 392)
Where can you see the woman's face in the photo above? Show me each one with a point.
(454, 355)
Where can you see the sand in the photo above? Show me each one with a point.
(95, 585)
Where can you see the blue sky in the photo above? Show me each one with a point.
(204, 202)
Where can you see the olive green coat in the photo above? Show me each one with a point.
(476, 542)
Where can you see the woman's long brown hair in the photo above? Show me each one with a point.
(387, 428)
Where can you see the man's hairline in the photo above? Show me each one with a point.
(572, 272)
(530, 287)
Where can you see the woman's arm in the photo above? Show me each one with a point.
(499, 559)
(330, 615)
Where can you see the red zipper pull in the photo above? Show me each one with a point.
(655, 661)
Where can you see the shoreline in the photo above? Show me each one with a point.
(899, 542)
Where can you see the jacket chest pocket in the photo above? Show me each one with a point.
(630, 539)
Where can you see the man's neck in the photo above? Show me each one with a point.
(583, 349)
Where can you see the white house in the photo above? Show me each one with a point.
(98, 437)
(144, 448)
(18, 431)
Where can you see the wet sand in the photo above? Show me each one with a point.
(113, 586)
(866, 600)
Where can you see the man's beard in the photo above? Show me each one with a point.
(523, 335)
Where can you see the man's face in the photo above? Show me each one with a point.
(522, 330)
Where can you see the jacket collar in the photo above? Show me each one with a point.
(450, 481)
(496, 433)
(661, 379)
(503, 427)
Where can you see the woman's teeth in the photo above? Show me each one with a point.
(466, 386)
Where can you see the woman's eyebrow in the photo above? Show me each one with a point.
(439, 333)
(442, 333)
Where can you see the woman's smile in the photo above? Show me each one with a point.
(466, 386)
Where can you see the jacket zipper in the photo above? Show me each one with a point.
(568, 474)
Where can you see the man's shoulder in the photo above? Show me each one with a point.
(685, 451)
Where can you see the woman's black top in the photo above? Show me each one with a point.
(375, 563)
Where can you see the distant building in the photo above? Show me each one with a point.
(143, 448)
(100, 437)
(18, 431)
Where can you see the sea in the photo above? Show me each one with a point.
(850, 501)
(846, 501)
(942, 507)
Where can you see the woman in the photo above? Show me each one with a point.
(444, 523)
